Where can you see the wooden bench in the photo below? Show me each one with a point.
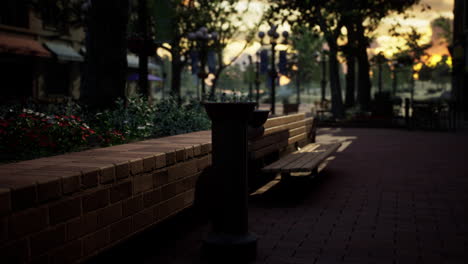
(283, 135)
(306, 159)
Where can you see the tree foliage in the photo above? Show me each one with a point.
(220, 16)
(308, 45)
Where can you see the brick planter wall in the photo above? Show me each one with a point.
(66, 208)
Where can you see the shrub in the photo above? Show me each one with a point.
(30, 134)
(131, 119)
(171, 118)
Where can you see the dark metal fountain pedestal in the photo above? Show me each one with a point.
(230, 238)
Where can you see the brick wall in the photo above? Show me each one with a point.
(67, 208)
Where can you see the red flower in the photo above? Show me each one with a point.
(43, 141)
(23, 115)
(4, 123)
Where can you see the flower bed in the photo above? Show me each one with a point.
(38, 131)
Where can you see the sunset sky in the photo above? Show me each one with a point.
(383, 41)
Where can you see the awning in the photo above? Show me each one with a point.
(23, 46)
(64, 52)
(133, 61)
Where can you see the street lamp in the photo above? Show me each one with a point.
(255, 65)
(202, 37)
(395, 65)
(323, 83)
(273, 37)
(257, 79)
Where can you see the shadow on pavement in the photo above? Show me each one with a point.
(291, 192)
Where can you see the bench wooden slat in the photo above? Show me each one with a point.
(289, 158)
(299, 163)
(277, 121)
(297, 131)
(304, 160)
(287, 126)
(297, 138)
(330, 149)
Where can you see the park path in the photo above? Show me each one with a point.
(388, 196)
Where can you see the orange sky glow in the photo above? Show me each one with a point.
(383, 42)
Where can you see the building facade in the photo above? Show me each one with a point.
(38, 60)
(41, 61)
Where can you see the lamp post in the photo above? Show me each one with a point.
(250, 78)
(323, 82)
(395, 66)
(273, 36)
(202, 38)
(257, 79)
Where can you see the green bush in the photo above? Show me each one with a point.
(172, 119)
(132, 119)
(30, 133)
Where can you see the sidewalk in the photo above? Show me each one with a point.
(389, 196)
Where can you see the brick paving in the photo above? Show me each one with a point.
(389, 196)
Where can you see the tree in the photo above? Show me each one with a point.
(307, 44)
(361, 18)
(224, 18)
(414, 52)
(319, 15)
(106, 52)
(446, 35)
(185, 16)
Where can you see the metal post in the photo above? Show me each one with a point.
(250, 80)
(143, 52)
(202, 73)
(230, 238)
(323, 83)
(380, 77)
(273, 78)
(298, 87)
(407, 109)
(257, 81)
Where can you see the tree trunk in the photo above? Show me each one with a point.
(176, 72)
(350, 80)
(143, 53)
(350, 53)
(364, 83)
(336, 99)
(105, 70)
(214, 84)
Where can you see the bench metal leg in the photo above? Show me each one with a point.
(314, 172)
(285, 176)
